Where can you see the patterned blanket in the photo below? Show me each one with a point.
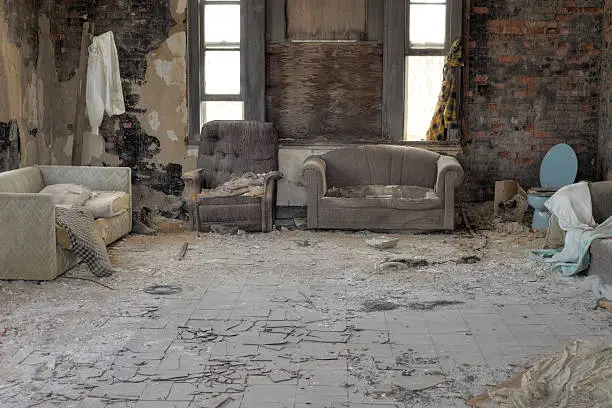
(85, 240)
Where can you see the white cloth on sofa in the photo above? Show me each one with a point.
(572, 206)
(104, 91)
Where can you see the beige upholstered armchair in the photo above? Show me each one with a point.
(382, 187)
(230, 148)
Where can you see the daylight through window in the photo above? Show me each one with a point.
(222, 96)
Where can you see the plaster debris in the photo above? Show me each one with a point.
(172, 135)
(255, 319)
(382, 242)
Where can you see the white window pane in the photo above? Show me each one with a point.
(214, 110)
(428, 1)
(221, 24)
(222, 72)
(427, 26)
(423, 83)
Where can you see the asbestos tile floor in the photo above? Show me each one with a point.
(289, 320)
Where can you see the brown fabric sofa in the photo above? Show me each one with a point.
(234, 148)
(428, 180)
(601, 249)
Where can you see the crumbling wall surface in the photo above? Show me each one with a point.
(18, 82)
(534, 81)
(150, 36)
(605, 124)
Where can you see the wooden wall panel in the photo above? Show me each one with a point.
(325, 91)
(326, 19)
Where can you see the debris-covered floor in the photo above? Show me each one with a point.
(289, 319)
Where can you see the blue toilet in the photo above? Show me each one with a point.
(558, 169)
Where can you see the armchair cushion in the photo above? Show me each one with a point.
(236, 147)
(227, 149)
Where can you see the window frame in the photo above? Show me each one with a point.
(228, 47)
(396, 51)
(252, 55)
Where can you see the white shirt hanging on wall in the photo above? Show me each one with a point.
(104, 91)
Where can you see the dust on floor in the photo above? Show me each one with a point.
(289, 319)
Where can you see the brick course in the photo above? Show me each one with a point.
(535, 80)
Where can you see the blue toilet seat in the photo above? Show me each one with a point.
(558, 169)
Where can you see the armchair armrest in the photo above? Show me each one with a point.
(313, 171)
(450, 176)
(194, 182)
(268, 204)
(27, 237)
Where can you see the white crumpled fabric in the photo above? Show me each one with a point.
(572, 206)
(104, 91)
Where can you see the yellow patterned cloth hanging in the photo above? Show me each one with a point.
(445, 114)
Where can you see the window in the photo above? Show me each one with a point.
(431, 26)
(221, 78)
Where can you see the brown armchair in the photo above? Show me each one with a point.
(233, 148)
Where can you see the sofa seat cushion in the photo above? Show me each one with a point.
(107, 204)
(380, 196)
(115, 227)
(111, 229)
(381, 191)
(430, 203)
(67, 194)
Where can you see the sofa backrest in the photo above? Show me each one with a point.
(601, 200)
(236, 147)
(381, 164)
(24, 180)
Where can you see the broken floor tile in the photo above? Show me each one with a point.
(156, 391)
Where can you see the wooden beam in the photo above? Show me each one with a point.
(393, 68)
(375, 20)
(276, 20)
(193, 70)
(255, 53)
(79, 116)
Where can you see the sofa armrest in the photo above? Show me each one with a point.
(313, 171)
(448, 166)
(268, 204)
(27, 237)
(450, 176)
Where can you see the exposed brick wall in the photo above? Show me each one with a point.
(139, 26)
(535, 81)
(605, 126)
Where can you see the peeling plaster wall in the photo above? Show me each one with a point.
(19, 116)
(151, 41)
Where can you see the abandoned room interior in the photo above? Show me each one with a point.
(305, 203)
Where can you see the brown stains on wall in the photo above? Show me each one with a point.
(10, 149)
(325, 91)
(326, 19)
(18, 83)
